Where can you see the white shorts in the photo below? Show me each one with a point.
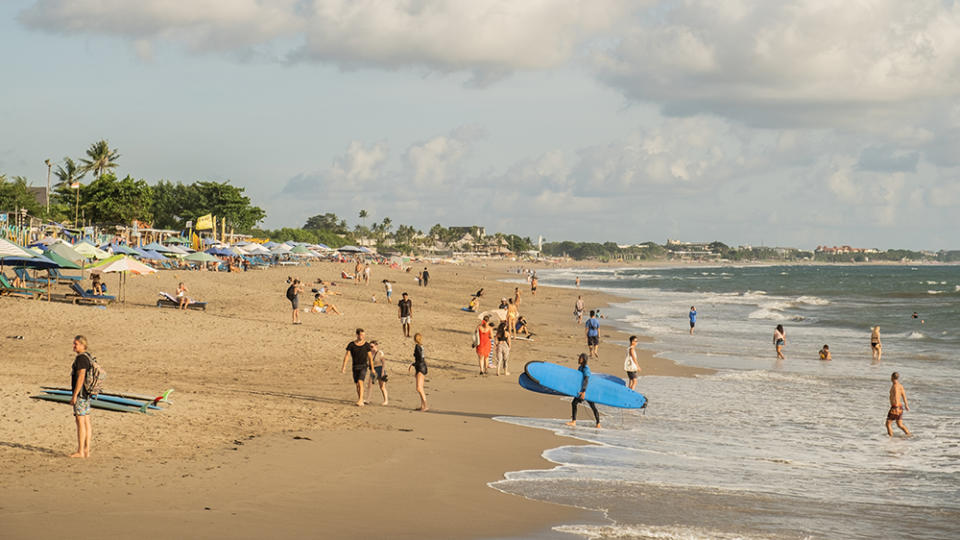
(404, 320)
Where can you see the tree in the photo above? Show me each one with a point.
(326, 222)
(107, 200)
(100, 158)
(69, 172)
(363, 217)
(14, 195)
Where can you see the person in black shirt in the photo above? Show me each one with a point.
(359, 351)
(419, 366)
(80, 400)
(293, 295)
(424, 277)
(405, 313)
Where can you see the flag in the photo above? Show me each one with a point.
(75, 185)
(205, 222)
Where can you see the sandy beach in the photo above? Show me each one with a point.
(263, 436)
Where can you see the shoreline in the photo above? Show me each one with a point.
(386, 460)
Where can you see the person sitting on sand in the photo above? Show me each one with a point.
(321, 306)
(521, 327)
(825, 353)
(420, 366)
(503, 303)
(80, 400)
(379, 373)
(182, 296)
(474, 304)
(581, 397)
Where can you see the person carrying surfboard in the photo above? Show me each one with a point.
(579, 398)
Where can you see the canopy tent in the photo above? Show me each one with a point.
(121, 266)
(322, 247)
(270, 245)
(90, 251)
(176, 240)
(153, 255)
(349, 249)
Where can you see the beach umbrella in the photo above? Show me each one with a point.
(349, 249)
(122, 266)
(270, 245)
(300, 250)
(61, 262)
(38, 262)
(153, 255)
(155, 246)
(176, 240)
(280, 249)
(322, 247)
(176, 251)
(90, 251)
(201, 256)
(66, 252)
(121, 249)
(9, 249)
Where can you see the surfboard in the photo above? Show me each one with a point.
(567, 381)
(96, 403)
(528, 383)
(141, 397)
(109, 398)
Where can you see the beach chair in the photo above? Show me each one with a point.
(23, 274)
(7, 289)
(63, 278)
(80, 296)
(168, 300)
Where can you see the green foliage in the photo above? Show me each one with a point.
(100, 158)
(175, 204)
(15, 195)
(312, 236)
(110, 201)
(328, 222)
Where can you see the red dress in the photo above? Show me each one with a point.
(483, 349)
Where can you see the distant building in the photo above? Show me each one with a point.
(39, 193)
(476, 231)
(843, 250)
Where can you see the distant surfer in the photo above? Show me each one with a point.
(693, 318)
(630, 364)
(579, 398)
(779, 340)
(875, 346)
(898, 404)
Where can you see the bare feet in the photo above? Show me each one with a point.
(507, 373)
(77, 455)
(572, 423)
(384, 403)
(359, 404)
(598, 425)
(424, 409)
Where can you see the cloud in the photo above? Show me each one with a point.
(805, 63)
(885, 158)
(431, 163)
(351, 171)
(487, 38)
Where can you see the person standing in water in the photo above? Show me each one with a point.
(693, 318)
(779, 340)
(825, 353)
(593, 335)
(581, 397)
(875, 346)
(898, 404)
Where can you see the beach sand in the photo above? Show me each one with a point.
(263, 437)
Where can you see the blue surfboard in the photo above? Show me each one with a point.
(567, 381)
(112, 399)
(526, 382)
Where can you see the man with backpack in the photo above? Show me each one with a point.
(82, 366)
(293, 295)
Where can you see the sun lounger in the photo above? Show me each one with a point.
(168, 300)
(63, 278)
(23, 274)
(6, 288)
(80, 296)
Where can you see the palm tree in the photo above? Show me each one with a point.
(363, 217)
(100, 158)
(69, 172)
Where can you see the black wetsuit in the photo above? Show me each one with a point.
(583, 388)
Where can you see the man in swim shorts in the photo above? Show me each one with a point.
(405, 313)
(693, 318)
(358, 351)
(898, 404)
(593, 334)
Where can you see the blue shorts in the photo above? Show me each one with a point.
(593, 341)
(81, 407)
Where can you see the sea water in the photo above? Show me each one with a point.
(765, 448)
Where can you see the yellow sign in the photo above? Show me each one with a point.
(204, 222)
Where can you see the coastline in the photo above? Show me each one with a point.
(248, 383)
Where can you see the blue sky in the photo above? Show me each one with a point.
(793, 123)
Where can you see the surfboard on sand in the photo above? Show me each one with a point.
(141, 397)
(567, 381)
(96, 403)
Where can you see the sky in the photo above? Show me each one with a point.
(794, 123)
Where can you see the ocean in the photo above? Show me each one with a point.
(766, 448)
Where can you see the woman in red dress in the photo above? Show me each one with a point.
(483, 347)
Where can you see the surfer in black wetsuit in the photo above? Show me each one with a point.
(579, 398)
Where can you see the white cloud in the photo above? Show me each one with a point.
(432, 162)
(358, 166)
(486, 37)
